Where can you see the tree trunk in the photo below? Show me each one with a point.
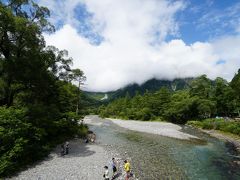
(78, 98)
(10, 99)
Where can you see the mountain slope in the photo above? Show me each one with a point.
(151, 85)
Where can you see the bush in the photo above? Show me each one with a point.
(207, 125)
(218, 124)
(19, 140)
(195, 124)
(82, 130)
(72, 116)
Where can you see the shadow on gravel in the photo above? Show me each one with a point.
(77, 149)
(117, 175)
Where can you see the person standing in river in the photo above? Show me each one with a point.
(127, 169)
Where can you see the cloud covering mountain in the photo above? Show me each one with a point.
(120, 42)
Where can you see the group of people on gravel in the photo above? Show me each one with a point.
(114, 163)
(127, 170)
(91, 137)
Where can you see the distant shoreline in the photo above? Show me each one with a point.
(172, 130)
(228, 137)
(161, 128)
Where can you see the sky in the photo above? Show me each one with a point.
(119, 42)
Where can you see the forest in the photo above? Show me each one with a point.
(39, 103)
(204, 98)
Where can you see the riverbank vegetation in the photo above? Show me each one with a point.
(39, 104)
(225, 125)
(203, 99)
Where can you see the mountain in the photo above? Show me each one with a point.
(151, 85)
(87, 100)
(95, 95)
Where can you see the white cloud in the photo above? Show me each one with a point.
(127, 53)
(227, 48)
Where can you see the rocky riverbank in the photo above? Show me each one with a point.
(160, 128)
(227, 137)
(84, 161)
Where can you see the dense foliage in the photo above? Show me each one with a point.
(39, 106)
(203, 99)
(221, 124)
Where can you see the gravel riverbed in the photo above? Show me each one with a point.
(84, 161)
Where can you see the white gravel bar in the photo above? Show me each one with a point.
(84, 162)
(160, 128)
(93, 120)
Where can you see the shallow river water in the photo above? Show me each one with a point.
(157, 157)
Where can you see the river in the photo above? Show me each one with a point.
(158, 157)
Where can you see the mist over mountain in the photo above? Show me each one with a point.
(151, 85)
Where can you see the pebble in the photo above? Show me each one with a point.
(84, 162)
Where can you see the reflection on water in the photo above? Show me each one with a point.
(157, 157)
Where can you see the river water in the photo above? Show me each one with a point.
(157, 157)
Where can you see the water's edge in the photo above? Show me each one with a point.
(153, 156)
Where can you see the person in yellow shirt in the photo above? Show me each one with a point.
(127, 169)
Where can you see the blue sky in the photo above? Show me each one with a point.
(204, 20)
(120, 42)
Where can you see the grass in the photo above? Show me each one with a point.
(222, 125)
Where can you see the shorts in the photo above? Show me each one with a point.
(128, 174)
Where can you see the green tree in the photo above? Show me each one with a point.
(67, 96)
(205, 107)
(224, 97)
(160, 101)
(21, 45)
(181, 107)
(78, 76)
(235, 84)
(201, 87)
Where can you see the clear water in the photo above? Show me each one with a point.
(157, 157)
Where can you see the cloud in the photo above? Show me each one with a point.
(134, 47)
(227, 49)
